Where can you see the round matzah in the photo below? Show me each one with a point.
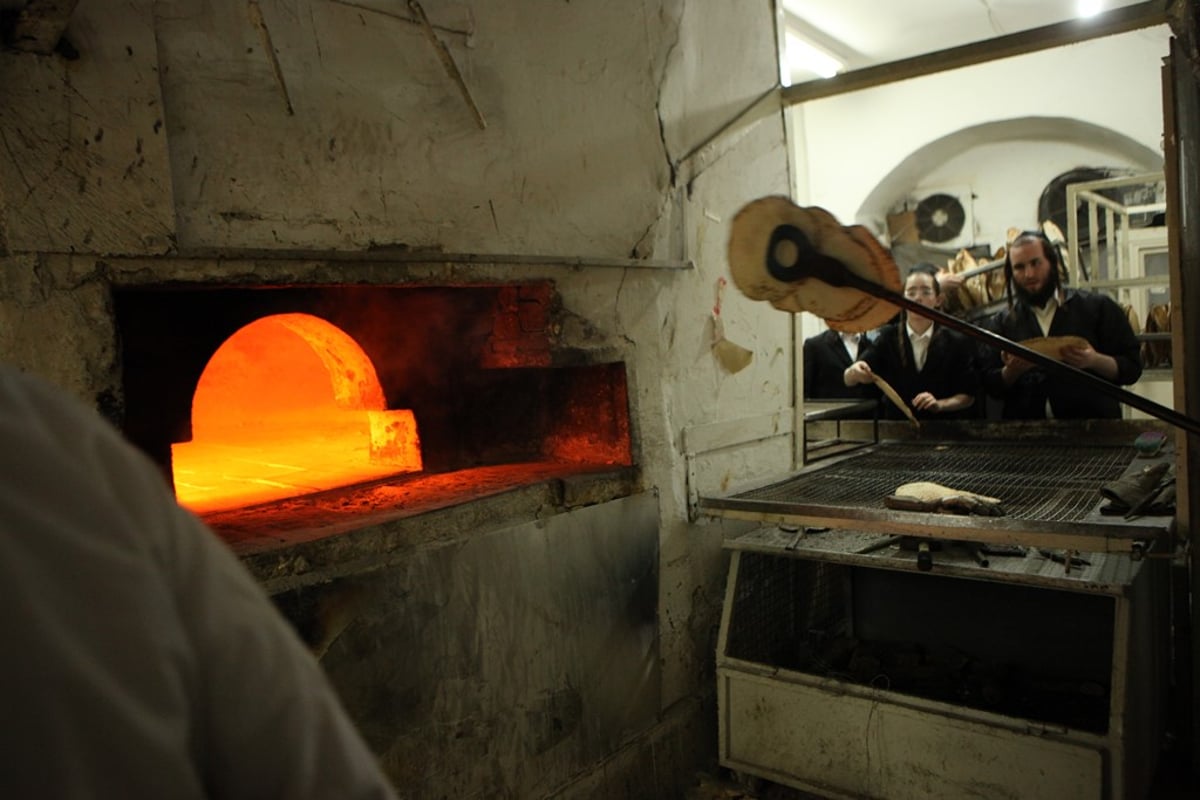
(843, 309)
(1053, 345)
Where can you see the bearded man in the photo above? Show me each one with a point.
(1040, 306)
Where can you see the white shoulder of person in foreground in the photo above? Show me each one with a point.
(141, 660)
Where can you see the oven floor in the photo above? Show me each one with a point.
(252, 474)
(1173, 780)
(323, 513)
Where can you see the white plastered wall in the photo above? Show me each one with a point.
(613, 130)
(1004, 129)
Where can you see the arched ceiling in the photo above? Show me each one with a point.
(896, 184)
(864, 33)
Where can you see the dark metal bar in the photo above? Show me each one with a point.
(1067, 534)
(1117, 20)
(811, 264)
(983, 269)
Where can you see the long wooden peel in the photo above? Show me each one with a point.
(894, 396)
(807, 262)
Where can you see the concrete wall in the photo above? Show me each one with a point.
(622, 136)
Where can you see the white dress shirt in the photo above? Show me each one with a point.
(1045, 317)
(850, 342)
(920, 345)
(1045, 314)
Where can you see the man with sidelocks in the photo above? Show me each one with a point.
(1038, 305)
(929, 366)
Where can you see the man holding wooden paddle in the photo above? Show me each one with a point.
(925, 370)
(1086, 330)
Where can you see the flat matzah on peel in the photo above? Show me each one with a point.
(1052, 346)
(855, 247)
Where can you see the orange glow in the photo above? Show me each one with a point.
(593, 421)
(288, 405)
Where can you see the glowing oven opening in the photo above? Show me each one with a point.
(288, 405)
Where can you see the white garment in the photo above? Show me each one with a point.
(1045, 314)
(141, 660)
(1045, 317)
(850, 342)
(920, 345)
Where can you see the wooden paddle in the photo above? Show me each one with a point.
(790, 257)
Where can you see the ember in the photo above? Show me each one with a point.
(251, 397)
(289, 405)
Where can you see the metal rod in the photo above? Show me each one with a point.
(811, 264)
(443, 54)
(986, 267)
(1117, 20)
(399, 255)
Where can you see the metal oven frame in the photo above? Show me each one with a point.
(835, 737)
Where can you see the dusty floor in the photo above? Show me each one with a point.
(1173, 782)
(726, 786)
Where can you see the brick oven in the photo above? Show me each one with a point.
(527, 611)
(249, 395)
(467, 549)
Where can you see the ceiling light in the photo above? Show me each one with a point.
(802, 56)
(1089, 8)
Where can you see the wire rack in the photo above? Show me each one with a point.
(1035, 481)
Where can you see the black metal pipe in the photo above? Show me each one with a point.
(808, 263)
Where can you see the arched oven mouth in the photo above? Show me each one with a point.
(324, 404)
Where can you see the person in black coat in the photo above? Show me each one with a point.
(826, 357)
(1040, 306)
(931, 367)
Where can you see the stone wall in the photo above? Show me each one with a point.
(603, 147)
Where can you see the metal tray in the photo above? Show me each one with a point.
(1050, 493)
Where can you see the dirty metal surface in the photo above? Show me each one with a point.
(1049, 493)
(1034, 482)
(1106, 573)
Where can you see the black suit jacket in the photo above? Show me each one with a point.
(1095, 317)
(949, 369)
(825, 359)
